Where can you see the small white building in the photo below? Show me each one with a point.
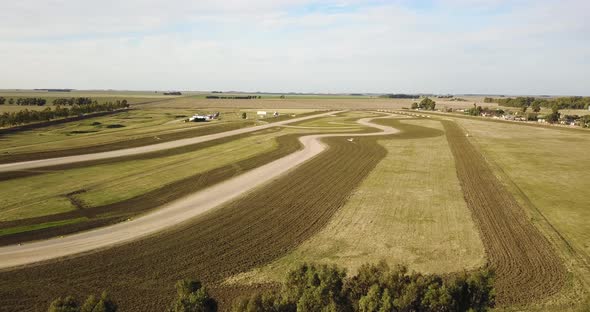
(261, 114)
(197, 118)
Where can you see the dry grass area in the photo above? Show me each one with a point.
(409, 210)
(306, 103)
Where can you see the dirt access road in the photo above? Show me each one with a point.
(148, 148)
(176, 212)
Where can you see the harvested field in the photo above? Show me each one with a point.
(527, 267)
(245, 234)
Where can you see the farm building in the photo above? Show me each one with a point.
(199, 118)
(261, 114)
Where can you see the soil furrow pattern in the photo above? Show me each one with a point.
(526, 264)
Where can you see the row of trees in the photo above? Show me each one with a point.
(192, 296)
(23, 101)
(571, 102)
(28, 116)
(58, 101)
(425, 104)
(375, 288)
(92, 304)
(478, 110)
(399, 96)
(311, 288)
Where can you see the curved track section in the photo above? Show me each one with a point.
(176, 212)
(146, 149)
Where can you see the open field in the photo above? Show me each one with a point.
(544, 169)
(380, 198)
(409, 210)
(301, 103)
(105, 184)
(133, 128)
(527, 266)
(238, 237)
(111, 185)
(134, 181)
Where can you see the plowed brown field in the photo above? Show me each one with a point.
(527, 267)
(248, 233)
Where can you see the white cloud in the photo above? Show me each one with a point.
(528, 47)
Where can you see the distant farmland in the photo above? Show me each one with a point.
(446, 194)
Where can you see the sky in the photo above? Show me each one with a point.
(437, 46)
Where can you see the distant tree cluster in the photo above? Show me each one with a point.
(425, 104)
(478, 110)
(233, 97)
(400, 96)
(572, 102)
(173, 93)
(27, 116)
(23, 101)
(58, 101)
(375, 288)
(75, 101)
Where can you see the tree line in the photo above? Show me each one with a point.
(23, 101)
(375, 288)
(27, 116)
(399, 96)
(311, 288)
(192, 296)
(571, 102)
(58, 101)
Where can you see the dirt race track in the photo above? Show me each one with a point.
(142, 149)
(527, 267)
(244, 234)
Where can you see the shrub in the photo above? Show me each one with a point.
(192, 297)
(92, 304)
(69, 304)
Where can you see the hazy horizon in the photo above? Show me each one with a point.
(441, 46)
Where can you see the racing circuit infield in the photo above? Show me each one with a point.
(269, 222)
